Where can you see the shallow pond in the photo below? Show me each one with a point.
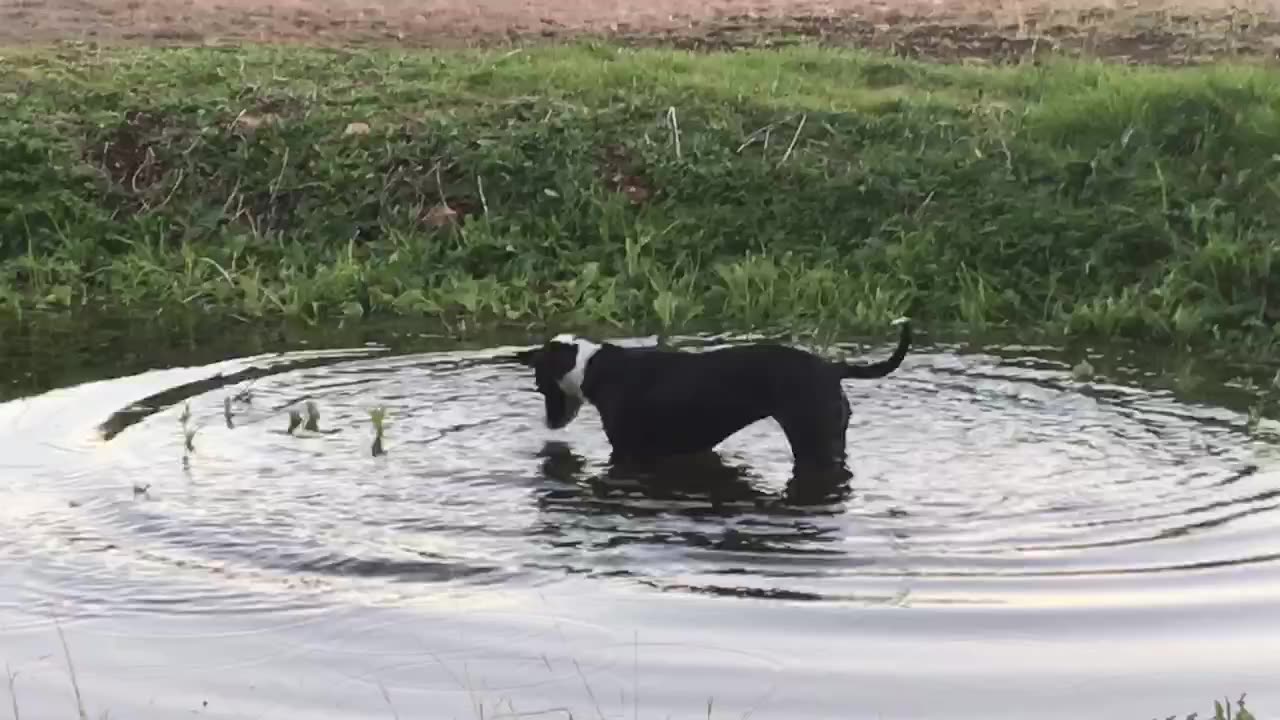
(1014, 542)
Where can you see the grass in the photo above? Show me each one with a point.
(1222, 709)
(589, 185)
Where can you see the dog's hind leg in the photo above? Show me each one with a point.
(816, 433)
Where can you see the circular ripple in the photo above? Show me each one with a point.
(975, 480)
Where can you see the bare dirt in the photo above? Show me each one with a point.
(1161, 31)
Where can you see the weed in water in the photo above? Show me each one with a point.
(377, 416)
(1083, 370)
(1222, 710)
(245, 396)
(1187, 379)
(313, 417)
(226, 413)
(1254, 421)
(1265, 401)
(71, 672)
(13, 691)
(188, 436)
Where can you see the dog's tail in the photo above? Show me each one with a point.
(884, 367)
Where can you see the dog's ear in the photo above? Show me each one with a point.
(529, 357)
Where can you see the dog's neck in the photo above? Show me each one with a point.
(574, 381)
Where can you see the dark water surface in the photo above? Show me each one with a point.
(1014, 543)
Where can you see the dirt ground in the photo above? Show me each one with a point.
(1164, 31)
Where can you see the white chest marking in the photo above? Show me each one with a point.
(572, 381)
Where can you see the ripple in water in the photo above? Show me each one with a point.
(976, 480)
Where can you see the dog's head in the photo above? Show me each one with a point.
(559, 369)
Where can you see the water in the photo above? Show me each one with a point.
(1012, 541)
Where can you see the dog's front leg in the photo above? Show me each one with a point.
(611, 410)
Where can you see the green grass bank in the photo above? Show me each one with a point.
(589, 185)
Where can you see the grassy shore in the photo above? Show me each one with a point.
(589, 185)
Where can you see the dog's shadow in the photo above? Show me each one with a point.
(692, 484)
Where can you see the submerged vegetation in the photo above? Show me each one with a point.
(594, 185)
(377, 417)
(188, 435)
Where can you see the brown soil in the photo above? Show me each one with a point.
(1163, 31)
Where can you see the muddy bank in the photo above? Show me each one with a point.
(1147, 32)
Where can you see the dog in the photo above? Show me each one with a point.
(659, 403)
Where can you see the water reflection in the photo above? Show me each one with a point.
(704, 504)
(704, 476)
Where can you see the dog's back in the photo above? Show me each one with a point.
(772, 358)
(658, 402)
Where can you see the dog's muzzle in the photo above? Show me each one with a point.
(562, 408)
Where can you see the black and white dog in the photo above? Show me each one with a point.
(657, 403)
